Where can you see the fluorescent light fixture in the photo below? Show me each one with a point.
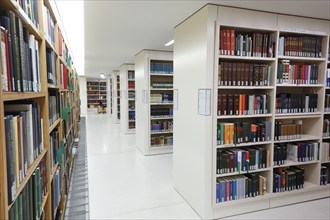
(169, 43)
(102, 75)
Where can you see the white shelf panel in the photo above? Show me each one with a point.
(293, 163)
(131, 110)
(308, 186)
(160, 74)
(300, 85)
(243, 201)
(161, 146)
(327, 161)
(161, 132)
(131, 99)
(244, 144)
(244, 116)
(131, 80)
(298, 115)
(161, 118)
(245, 87)
(161, 103)
(131, 120)
(327, 113)
(243, 172)
(301, 58)
(305, 137)
(246, 58)
(130, 89)
(161, 89)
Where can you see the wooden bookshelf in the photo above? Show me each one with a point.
(154, 86)
(65, 89)
(127, 98)
(202, 56)
(96, 91)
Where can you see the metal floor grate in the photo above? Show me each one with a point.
(77, 206)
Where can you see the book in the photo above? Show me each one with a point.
(296, 103)
(300, 46)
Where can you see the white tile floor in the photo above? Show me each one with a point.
(124, 184)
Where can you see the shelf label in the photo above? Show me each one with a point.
(204, 102)
(145, 96)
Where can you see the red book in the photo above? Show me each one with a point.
(222, 41)
(232, 42)
(227, 189)
(247, 159)
(228, 45)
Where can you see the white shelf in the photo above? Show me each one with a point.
(161, 146)
(327, 161)
(160, 74)
(131, 120)
(131, 80)
(244, 172)
(308, 186)
(298, 115)
(300, 58)
(242, 201)
(161, 118)
(245, 87)
(131, 110)
(161, 89)
(300, 85)
(131, 99)
(246, 58)
(293, 163)
(131, 90)
(161, 132)
(326, 113)
(244, 116)
(161, 103)
(244, 144)
(304, 137)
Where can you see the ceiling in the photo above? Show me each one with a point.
(117, 30)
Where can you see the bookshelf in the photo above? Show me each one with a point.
(96, 91)
(109, 97)
(154, 103)
(116, 92)
(127, 98)
(38, 104)
(224, 114)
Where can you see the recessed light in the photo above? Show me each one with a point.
(169, 43)
(102, 75)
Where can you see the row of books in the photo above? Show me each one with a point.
(161, 85)
(131, 75)
(20, 61)
(325, 156)
(161, 98)
(326, 128)
(325, 174)
(240, 187)
(296, 73)
(303, 151)
(161, 112)
(54, 145)
(51, 66)
(327, 103)
(131, 94)
(159, 126)
(288, 130)
(131, 85)
(288, 179)
(49, 26)
(161, 67)
(327, 79)
(56, 190)
(28, 204)
(238, 160)
(296, 103)
(243, 74)
(280, 155)
(237, 43)
(243, 104)
(243, 132)
(63, 51)
(31, 10)
(131, 115)
(53, 107)
(300, 46)
(24, 136)
(161, 140)
(131, 106)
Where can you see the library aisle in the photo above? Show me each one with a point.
(124, 184)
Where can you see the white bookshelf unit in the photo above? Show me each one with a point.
(96, 91)
(154, 101)
(109, 95)
(127, 98)
(115, 78)
(208, 136)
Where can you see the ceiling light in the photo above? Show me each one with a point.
(102, 75)
(169, 43)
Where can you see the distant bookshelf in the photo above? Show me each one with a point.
(96, 93)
